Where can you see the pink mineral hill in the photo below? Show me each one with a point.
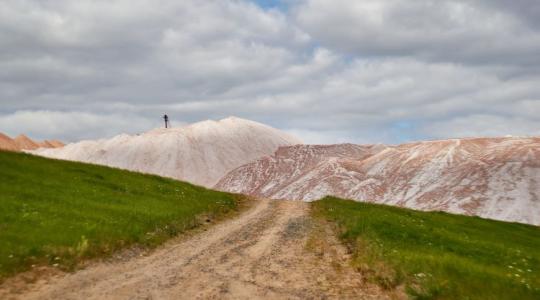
(496, 178)
(7, 143)
(200, 153)
(22, 142)
(53, 144)
(25, 143)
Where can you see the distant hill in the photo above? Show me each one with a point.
(22, 142)
(25, 143)
(496, 178)
(7, 143)
(200, 153)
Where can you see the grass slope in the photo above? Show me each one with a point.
(438, 255)
(59, 212)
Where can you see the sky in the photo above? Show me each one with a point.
(327, 71)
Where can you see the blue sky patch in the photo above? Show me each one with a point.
(268, 4)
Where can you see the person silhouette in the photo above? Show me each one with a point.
(166, 118)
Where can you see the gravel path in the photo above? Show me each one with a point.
(271, 251)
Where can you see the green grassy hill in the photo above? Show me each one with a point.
(436, 255)
(59, 213)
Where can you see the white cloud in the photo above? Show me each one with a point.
(71, 126)
(484, 125)
(330, 71)
(446, 30)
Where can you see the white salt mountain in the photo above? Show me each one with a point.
(200, 153)
(497, 178)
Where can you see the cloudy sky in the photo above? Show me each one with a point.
(326, 70)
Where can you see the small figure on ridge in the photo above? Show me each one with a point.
(166, 118)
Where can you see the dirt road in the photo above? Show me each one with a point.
(273, 251)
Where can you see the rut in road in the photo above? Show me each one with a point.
(268, 252)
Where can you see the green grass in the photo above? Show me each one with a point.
(60, 213)
(437, 255)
